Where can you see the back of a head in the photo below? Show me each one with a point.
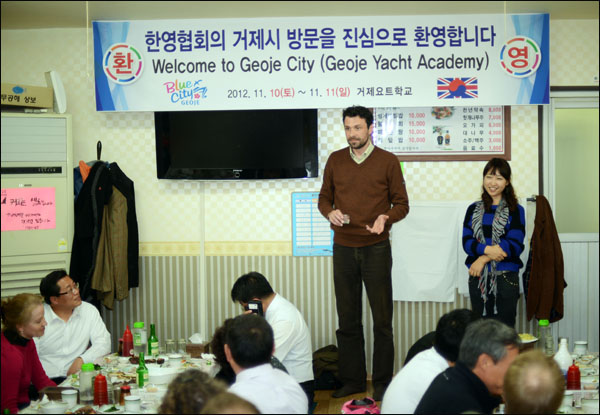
(249, 286)
(534, 384)
(250, 339)
(17, 310)
(49, 284)
(228, 403)
(217, 342)
(486, 336)
(189, 392)
(450, 331)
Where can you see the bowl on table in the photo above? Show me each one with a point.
(54, 407)
(161, 375)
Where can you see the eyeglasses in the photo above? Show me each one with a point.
(70, 290)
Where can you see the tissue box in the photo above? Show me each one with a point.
(196, 350)
(27, 96)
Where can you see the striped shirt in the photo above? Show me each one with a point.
(511, 241)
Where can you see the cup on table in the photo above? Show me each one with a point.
(175, 360)
(69, 396)
(580, 347)
(133, 404)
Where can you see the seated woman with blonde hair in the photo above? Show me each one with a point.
(22, 319)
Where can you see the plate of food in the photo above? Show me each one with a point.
(527, 338)
(110, 409)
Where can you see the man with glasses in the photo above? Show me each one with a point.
(75, 333)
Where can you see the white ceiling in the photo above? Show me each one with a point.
(51, 14)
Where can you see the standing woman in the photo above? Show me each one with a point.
(22, 319)
(493, 233)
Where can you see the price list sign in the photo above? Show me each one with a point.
(443, 133)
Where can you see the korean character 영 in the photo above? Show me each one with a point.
(169, 41)
(184, 38)
(152, 41)
(439, 34)
(422, 36)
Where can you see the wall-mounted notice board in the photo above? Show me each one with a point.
(311, 232)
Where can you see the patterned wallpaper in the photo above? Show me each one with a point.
(186, 218)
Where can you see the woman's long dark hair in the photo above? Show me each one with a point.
(498, 165)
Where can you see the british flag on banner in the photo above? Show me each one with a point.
(450, 88)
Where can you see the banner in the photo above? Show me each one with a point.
(322, 62)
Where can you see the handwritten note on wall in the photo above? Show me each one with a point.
(26, 209)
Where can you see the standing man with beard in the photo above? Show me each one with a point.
(362, 195)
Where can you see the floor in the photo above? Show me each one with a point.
(328, 405)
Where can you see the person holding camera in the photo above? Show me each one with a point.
(293, 346)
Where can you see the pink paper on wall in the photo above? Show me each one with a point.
(28, 208)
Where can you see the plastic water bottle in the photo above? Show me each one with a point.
(140, 338)
(86, 377)
(545, 339)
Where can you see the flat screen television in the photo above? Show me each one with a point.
(236, 145)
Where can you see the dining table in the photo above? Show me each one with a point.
(121, 371)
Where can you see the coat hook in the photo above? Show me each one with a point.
(99, 149)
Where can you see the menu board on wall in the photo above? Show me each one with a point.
(443, 133)
(28, 208)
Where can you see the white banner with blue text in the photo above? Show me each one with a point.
(321, 62)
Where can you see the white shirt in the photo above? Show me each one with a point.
(409, 385)
(271, 390)
(293, 347)
(63, 342)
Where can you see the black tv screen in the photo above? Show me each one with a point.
(236, 145)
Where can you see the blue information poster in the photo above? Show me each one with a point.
(311, 233)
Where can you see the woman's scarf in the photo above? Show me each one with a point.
(500, 219)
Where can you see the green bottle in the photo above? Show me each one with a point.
(153, 342)
(142, 372)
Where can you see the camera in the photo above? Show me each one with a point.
(256, 307)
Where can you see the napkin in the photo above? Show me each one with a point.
(196, 338)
